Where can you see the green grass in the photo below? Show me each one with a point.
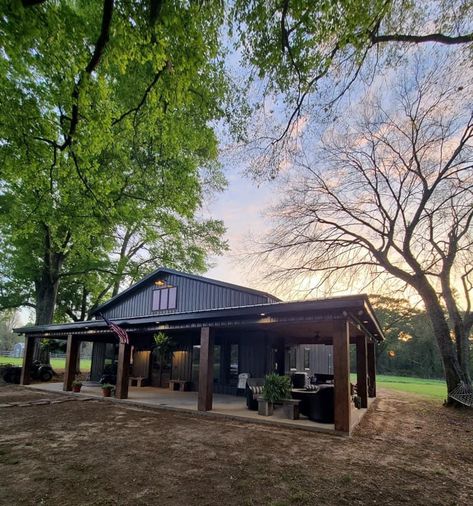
(435, 389)
(57, 363)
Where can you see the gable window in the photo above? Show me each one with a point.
(165, 298)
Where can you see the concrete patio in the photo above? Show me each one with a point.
(227, 406)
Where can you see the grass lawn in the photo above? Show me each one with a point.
(436, 389)
(432, 388)
(57, 363)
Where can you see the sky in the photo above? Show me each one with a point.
(241, 207)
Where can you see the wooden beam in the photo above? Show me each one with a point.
(123, 371)
(362, 370)
(206, 369)
(371, 370)
(25, 378)
(71, 362)
(341, 372)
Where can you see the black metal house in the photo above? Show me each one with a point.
(219, 331)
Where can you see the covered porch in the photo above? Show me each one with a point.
(262, 336)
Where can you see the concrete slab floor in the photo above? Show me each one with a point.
(228, 406)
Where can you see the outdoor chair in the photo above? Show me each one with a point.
(316, 402)
(254, 389)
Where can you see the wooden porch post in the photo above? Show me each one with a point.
(71, 362)
(123, 371)
(25, 378)
(341, 372)
(362, 370)
(371, 370)
(206, 369)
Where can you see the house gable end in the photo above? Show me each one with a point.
(166, 291)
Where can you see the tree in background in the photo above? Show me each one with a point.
(8, 321)
(389, 192)
(106, 145)
(410, 348)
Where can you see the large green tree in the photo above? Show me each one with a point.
(106, 142)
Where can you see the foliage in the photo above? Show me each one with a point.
(313, 52)
(77, 383)
(276, 387)
(8, 339)
(106, 146)
(108, 386)
(164, 346)
(410, 348)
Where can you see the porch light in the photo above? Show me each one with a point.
(262, 314)
(159, 282)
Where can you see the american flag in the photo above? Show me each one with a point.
(121, 333)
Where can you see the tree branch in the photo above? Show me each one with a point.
(102, 41)
(420, 39)
(144, 97)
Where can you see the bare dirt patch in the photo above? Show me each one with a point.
(406, 450)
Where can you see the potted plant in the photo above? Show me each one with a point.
(276, 388)
(76, 386)
(107, 389)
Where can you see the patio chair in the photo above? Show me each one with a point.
(254, 388)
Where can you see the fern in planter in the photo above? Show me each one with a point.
(276, 388)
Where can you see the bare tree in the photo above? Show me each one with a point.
(391, 193)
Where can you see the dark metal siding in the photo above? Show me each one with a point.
(98, 360)
(182, 364)
(192, 295)
(320, 359)
(141, 364)
(254, 357)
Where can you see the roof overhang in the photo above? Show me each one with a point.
(354, 308)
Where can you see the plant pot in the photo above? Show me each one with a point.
(76, 389)
(265, 408)
(106, 392)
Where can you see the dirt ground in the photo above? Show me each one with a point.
(406, 450)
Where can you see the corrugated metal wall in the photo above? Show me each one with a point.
(320, 359)
(98, 361)
(254, 357)
(192, 295)
(182, 364)
(141, 364)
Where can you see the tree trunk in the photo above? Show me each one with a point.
(46, 294)
(454, 373)
(460, 327)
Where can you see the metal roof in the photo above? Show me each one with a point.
(357, 306)
(162, 270)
